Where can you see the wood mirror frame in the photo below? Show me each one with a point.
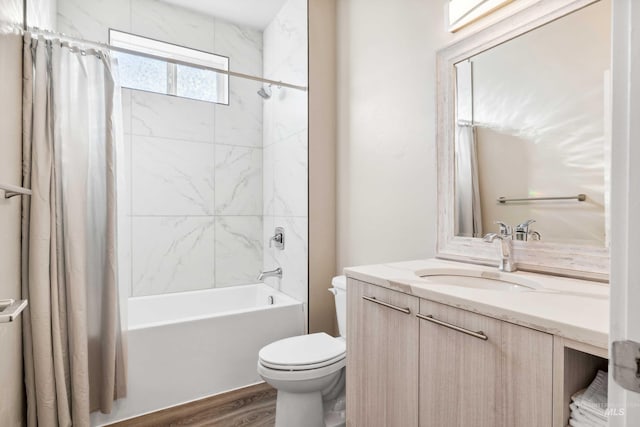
(589, 262)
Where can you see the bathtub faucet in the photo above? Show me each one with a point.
(272, 273)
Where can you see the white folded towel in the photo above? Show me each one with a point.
(588, 407)
(581, 415)
(583, 419)
(597, 393)
(575, 423)
(594, 399)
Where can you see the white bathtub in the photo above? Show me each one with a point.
(189, 345)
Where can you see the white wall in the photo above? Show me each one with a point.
(11, 378)
(195, 167)
(387, 128)
(286, 149)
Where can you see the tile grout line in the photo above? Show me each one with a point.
(191, 141)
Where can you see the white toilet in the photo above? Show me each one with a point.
(308, 372)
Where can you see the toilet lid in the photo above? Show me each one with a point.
(303, 352)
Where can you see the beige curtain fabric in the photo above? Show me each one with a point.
(468, 206)
(73, 340)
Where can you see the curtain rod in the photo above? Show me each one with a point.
(36, 30)
(467, 123)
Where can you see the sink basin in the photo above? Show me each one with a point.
(479, 279)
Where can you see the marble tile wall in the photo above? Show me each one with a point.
(42, 14)
(285, 154)
(194, 168)
(11, 12)
(196, 205)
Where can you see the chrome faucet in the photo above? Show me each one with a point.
(271, 273)
(505, 236)
(523, 233)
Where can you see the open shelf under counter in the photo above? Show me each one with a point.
(575, 365)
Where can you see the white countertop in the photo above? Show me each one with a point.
(570, 308)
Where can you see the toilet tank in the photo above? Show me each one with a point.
(339, 291)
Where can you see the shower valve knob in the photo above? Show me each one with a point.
(278, 238)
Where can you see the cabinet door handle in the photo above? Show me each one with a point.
(404, 310)
(432, 319)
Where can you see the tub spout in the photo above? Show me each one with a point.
(271, 273)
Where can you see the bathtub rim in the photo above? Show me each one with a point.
(286, 301)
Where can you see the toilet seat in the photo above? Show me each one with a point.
(303, 353)
(282, 367)
(270, 374)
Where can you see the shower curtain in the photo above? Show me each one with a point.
(73, 342)
(468, 206)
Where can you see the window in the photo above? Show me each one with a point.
(153, 75)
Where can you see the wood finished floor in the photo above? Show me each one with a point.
(253, 406)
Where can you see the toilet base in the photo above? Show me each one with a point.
(299, 409)
(302, 392)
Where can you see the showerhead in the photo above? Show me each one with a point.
(265, 92)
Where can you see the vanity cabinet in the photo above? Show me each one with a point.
(414, 362)
(382, 357)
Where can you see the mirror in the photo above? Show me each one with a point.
(533, 122)
(525, 134)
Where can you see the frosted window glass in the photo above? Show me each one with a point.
(137, 72)
(197, 84)
(168, 77)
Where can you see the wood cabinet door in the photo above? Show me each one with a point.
(527, 375)
(382, 357)
(460, 374)
(467, 380)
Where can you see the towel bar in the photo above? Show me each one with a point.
(10, 309)
(8, 191)
(579, 197)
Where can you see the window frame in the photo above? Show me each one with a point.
(171, 52)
